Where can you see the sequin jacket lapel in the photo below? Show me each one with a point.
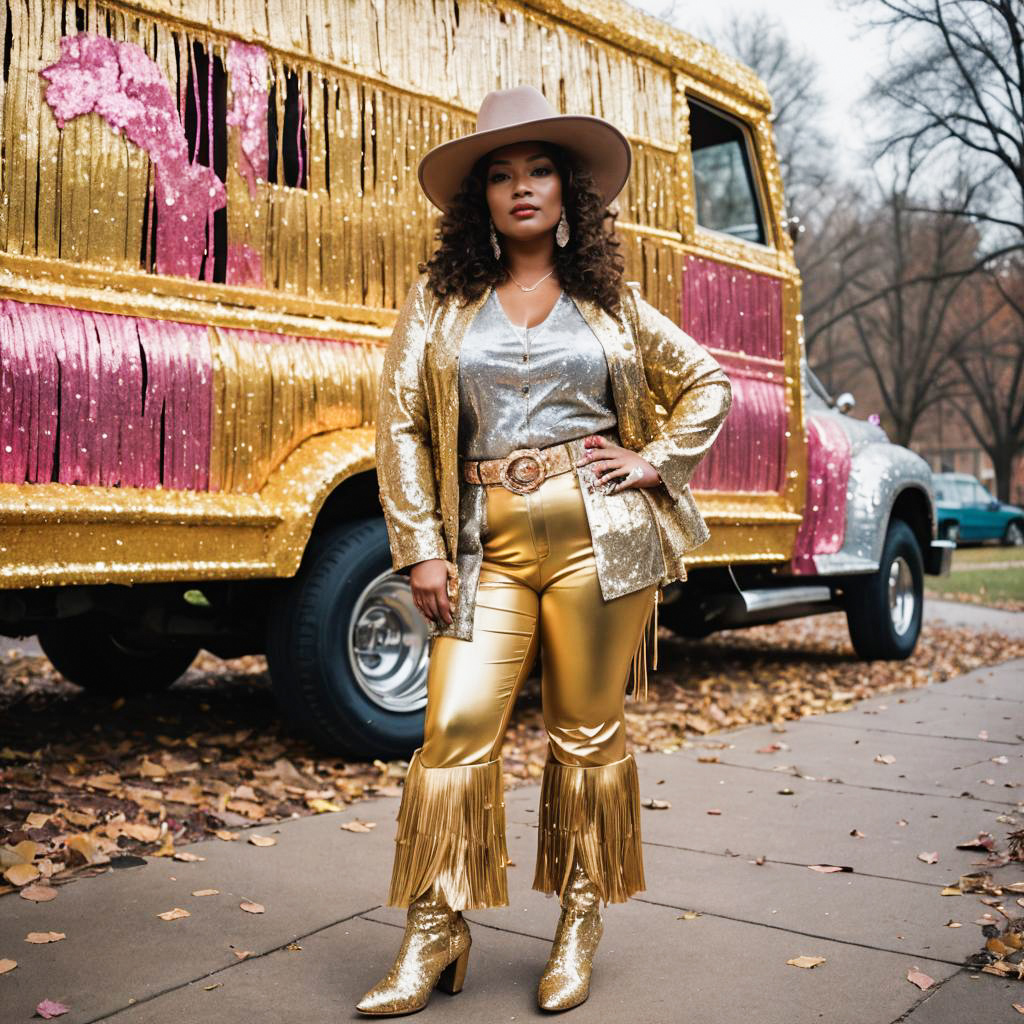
(650, 359)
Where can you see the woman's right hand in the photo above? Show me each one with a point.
(429, 580)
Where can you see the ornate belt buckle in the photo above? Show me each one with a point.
(522, 471)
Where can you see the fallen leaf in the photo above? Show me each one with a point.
(223, 833)
(688, 915)
(829, 869)
(885, 759)
(928, 858)
(856, 833)
(806, 961)
(7, 965)
(205, 892)
(173, 915)
(262, 840)
(1018, 1007)
(104, 781)
(50, 1008)
(951, 890)
(21, 874)
(188, 856)
(983, 735)
(41, 937)
(953, 924)
(252, 908)
(323, 806)
(714, 810)
(38, 893)
(210, 988)
(358, 826)
(1001, 759)
(983, 841)
(243, 953)
(918, 978)
(707, 759)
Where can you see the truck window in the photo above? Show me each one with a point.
(723, 177)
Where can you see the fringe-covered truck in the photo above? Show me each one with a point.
(209, 218)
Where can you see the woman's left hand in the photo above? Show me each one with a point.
(615, 466)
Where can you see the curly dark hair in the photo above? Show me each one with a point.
(589, 267)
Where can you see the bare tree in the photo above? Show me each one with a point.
(907, 330)
(954, 97)
(991, 367)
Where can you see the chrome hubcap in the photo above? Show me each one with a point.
(388, 645)
(902, 600)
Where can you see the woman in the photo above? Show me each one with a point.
(539, 499)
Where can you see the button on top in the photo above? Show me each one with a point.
(526, 389)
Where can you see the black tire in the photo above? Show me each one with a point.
(315, 677)
(879, 632)
(1014, 535)
(99, 653)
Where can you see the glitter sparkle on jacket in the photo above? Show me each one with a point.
(671, 398)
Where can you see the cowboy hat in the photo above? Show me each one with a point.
(518, 115)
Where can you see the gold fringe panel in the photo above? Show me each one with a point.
(648, 636)
(451, 830)
(594, 813)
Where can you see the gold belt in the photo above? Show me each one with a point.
(521, 471)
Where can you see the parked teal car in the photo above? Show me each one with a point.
(967, 512)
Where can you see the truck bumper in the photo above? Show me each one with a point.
(939, 557)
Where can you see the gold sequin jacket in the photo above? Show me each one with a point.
(671, 397)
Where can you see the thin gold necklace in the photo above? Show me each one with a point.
(532, 287)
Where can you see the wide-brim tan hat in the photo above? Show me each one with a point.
(519, 115)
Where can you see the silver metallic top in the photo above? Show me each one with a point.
(529, 387)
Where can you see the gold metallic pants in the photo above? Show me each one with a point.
(538, 587)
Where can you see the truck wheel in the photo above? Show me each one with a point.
(348, 649)
(883, 609)
(99, 653)
(1014, 535)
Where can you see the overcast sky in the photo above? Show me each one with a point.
(847, 54)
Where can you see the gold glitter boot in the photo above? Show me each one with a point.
(566, 979)
(434, 953)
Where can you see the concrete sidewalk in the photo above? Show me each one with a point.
(325, 937)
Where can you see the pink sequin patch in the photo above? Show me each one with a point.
(828, 471)
(731, 308)
(737, 311)
(120, 83)
(103, 399)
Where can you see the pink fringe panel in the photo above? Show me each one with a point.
(750, 452)
(103, 399)
(828, 470)
(733, 309)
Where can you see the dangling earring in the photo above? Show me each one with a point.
(562, 231)
(495, 248)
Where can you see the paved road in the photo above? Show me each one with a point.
(325, 936)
